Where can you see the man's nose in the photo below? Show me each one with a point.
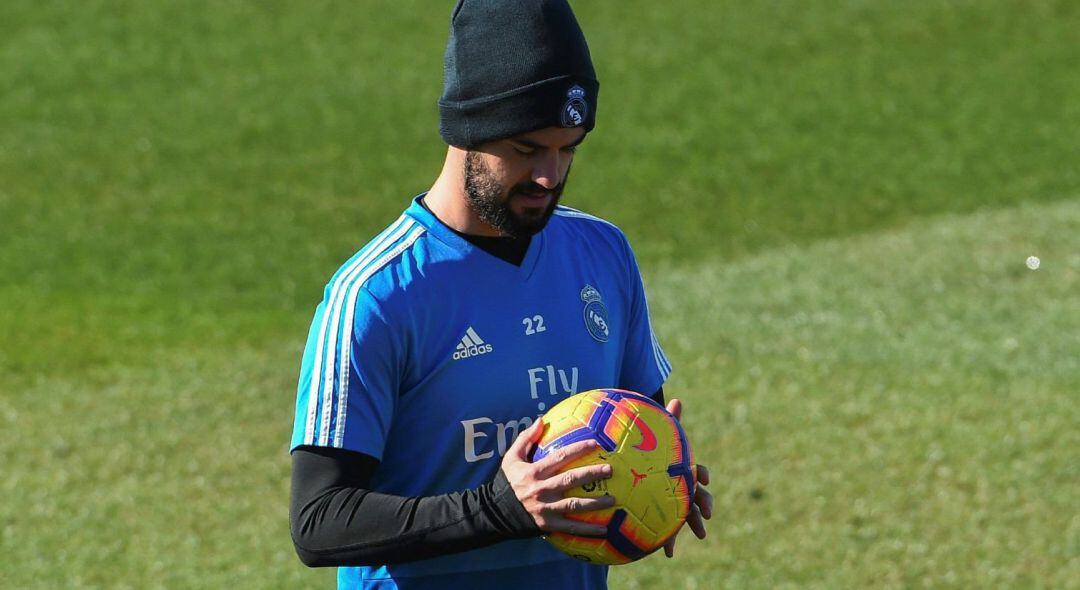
(548, 171)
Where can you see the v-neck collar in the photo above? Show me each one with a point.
(449, 237)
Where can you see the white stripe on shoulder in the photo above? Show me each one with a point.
(346, 337)
(339, 327)
(661, 359)
(564, 211)
(379, 243)
(662, 363)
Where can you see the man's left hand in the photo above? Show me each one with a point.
(701, 508)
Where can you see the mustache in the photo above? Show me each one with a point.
(535, 189)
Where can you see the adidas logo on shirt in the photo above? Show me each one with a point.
(471, 345)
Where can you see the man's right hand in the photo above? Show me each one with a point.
(540, 487)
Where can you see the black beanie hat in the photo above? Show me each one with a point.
(514, 66)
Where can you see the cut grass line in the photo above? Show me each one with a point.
(888, 410)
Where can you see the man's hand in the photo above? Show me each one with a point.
(540, 487)
(701, 509)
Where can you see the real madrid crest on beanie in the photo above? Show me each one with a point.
(514, 66)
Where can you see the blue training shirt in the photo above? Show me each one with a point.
(431, 354)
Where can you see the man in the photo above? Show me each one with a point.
(438, 345)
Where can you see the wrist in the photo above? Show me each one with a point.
(520, 523)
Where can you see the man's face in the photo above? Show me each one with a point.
(514, 184)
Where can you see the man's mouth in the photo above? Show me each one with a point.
(533, 197)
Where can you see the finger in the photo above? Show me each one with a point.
(696, 523)
(560, 524)
(703, 475)
(521, 446)
(704, 501)
(674, 407)
(559, 457)
(669, 547)
(578, 476)
(576, 504)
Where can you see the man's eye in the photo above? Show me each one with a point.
(570, 150)
(525, 151)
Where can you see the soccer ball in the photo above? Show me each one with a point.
(653, 472)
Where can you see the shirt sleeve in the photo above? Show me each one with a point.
(349, 376)
(337, 520)
(645, 367)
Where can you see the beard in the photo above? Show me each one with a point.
(490, 200)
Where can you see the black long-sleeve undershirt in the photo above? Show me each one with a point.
(337, 520)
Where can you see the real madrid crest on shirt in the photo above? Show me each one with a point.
(576, 109)
(596, 316)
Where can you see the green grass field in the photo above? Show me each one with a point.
(832, 203)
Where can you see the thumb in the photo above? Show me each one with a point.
(674, 407)
(526, 439)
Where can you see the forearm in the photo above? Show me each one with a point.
(336, 522)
